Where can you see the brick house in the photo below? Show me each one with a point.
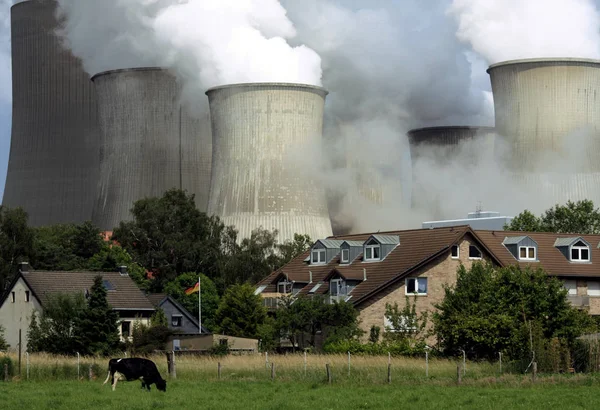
(370, 270)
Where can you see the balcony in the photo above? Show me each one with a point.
(272, 301)
(579, 301)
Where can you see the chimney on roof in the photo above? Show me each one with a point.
(364, 274)
(123, 270)
(310, 276)
(24, 267)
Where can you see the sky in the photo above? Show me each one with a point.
(390, 65)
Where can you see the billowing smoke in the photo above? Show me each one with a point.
(511, 29)
(5, 88)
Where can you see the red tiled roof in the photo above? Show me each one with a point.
(416, 247)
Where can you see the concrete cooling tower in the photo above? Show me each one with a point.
(435, 147)
(149, 143)
(53, 162)
(548, 121)
(263, 174)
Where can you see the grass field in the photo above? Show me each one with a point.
(268, 395)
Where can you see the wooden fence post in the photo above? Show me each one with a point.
(219, 370)
(389, 379)
(5, 372)
(272, 371)
(328, 373)
(458, 374)
(534, 372)
(90, 373)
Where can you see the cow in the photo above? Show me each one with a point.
(135, 368)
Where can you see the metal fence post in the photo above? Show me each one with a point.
(78, 366)
(27, 364)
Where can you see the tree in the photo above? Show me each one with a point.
(240, 312)
(148, 338)
(210, 297)
(16, 240)
(406, 324)
(169, 236)
(58, 329)
(491, 309)
(111, 257)
(3, 344)
(65, 246)
(291, 249)
(574, 217)
(98, 325)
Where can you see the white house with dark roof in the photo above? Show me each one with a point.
(30, 290)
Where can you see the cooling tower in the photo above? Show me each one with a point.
(433, 148)
(149, 143)
(266, 138)
(53, 162)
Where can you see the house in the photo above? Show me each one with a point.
(179, 319)
(30, 290)
(374, 269)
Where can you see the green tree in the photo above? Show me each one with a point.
(16, 240)
(65, 247)
(154, 336)
(169, 236)
(405, 323)
(58, 329)
(98, 325)
(291, 249)
(210, 297)
(3, 344)
(491, 309)
(240, 312)
(111, 257)
(574, 217)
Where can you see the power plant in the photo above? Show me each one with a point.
(260, 175)
(53, 162)
(149, 143)
(547, 113)
(83, 149)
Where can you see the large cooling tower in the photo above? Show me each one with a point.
(548, 118)
(433, 148)
(266, 141)
(53, 163)
(150, 143)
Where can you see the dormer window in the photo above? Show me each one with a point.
(284, 286)
(527, 253)
(372, 251)
(345, 256)
(580, 252)
(318, 256)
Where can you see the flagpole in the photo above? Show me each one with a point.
(199, 308)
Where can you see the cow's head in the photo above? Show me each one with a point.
(161, 385)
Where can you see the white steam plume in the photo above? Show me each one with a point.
(206, 42)
(5, 88)
(502, 30)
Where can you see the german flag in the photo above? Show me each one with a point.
(193, 289)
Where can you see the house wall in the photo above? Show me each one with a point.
(132, 319)
(441, 271)
(17, 315)
(187, 326)
(205, 342)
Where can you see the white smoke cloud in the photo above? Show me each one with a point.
(207, 43)
(502, 30)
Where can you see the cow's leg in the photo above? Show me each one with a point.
(115, 380)
(107, 377)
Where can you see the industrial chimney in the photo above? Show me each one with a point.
(53, 162)
(149, 143)
(258, 176)
(440, 145)
(547, 113)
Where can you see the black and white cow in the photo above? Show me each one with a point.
(135, 368)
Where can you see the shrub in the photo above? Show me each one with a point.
(6, 361)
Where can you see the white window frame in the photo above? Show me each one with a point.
(572, 290)
(457, 252)
(595, 291)
(347, 259)
(338, 282)
(321, 255)
(372, 248)
(176, 320)
(416, 286)
(387, 326)
(579, 249)
(285, 284)
(475, 257)
(527, 258)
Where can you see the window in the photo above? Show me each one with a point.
(107, 285)
(580, 252)
(284, 286)
(12, 297)
(455, 252)
(372, 252)
(176, 321)
(593, 288)
(527, 253)
(125, 329)
(337, 287)
(416, 285)
(318, 256)
(345, 255)
(474, 252)
(571, 286)
(26, 296)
